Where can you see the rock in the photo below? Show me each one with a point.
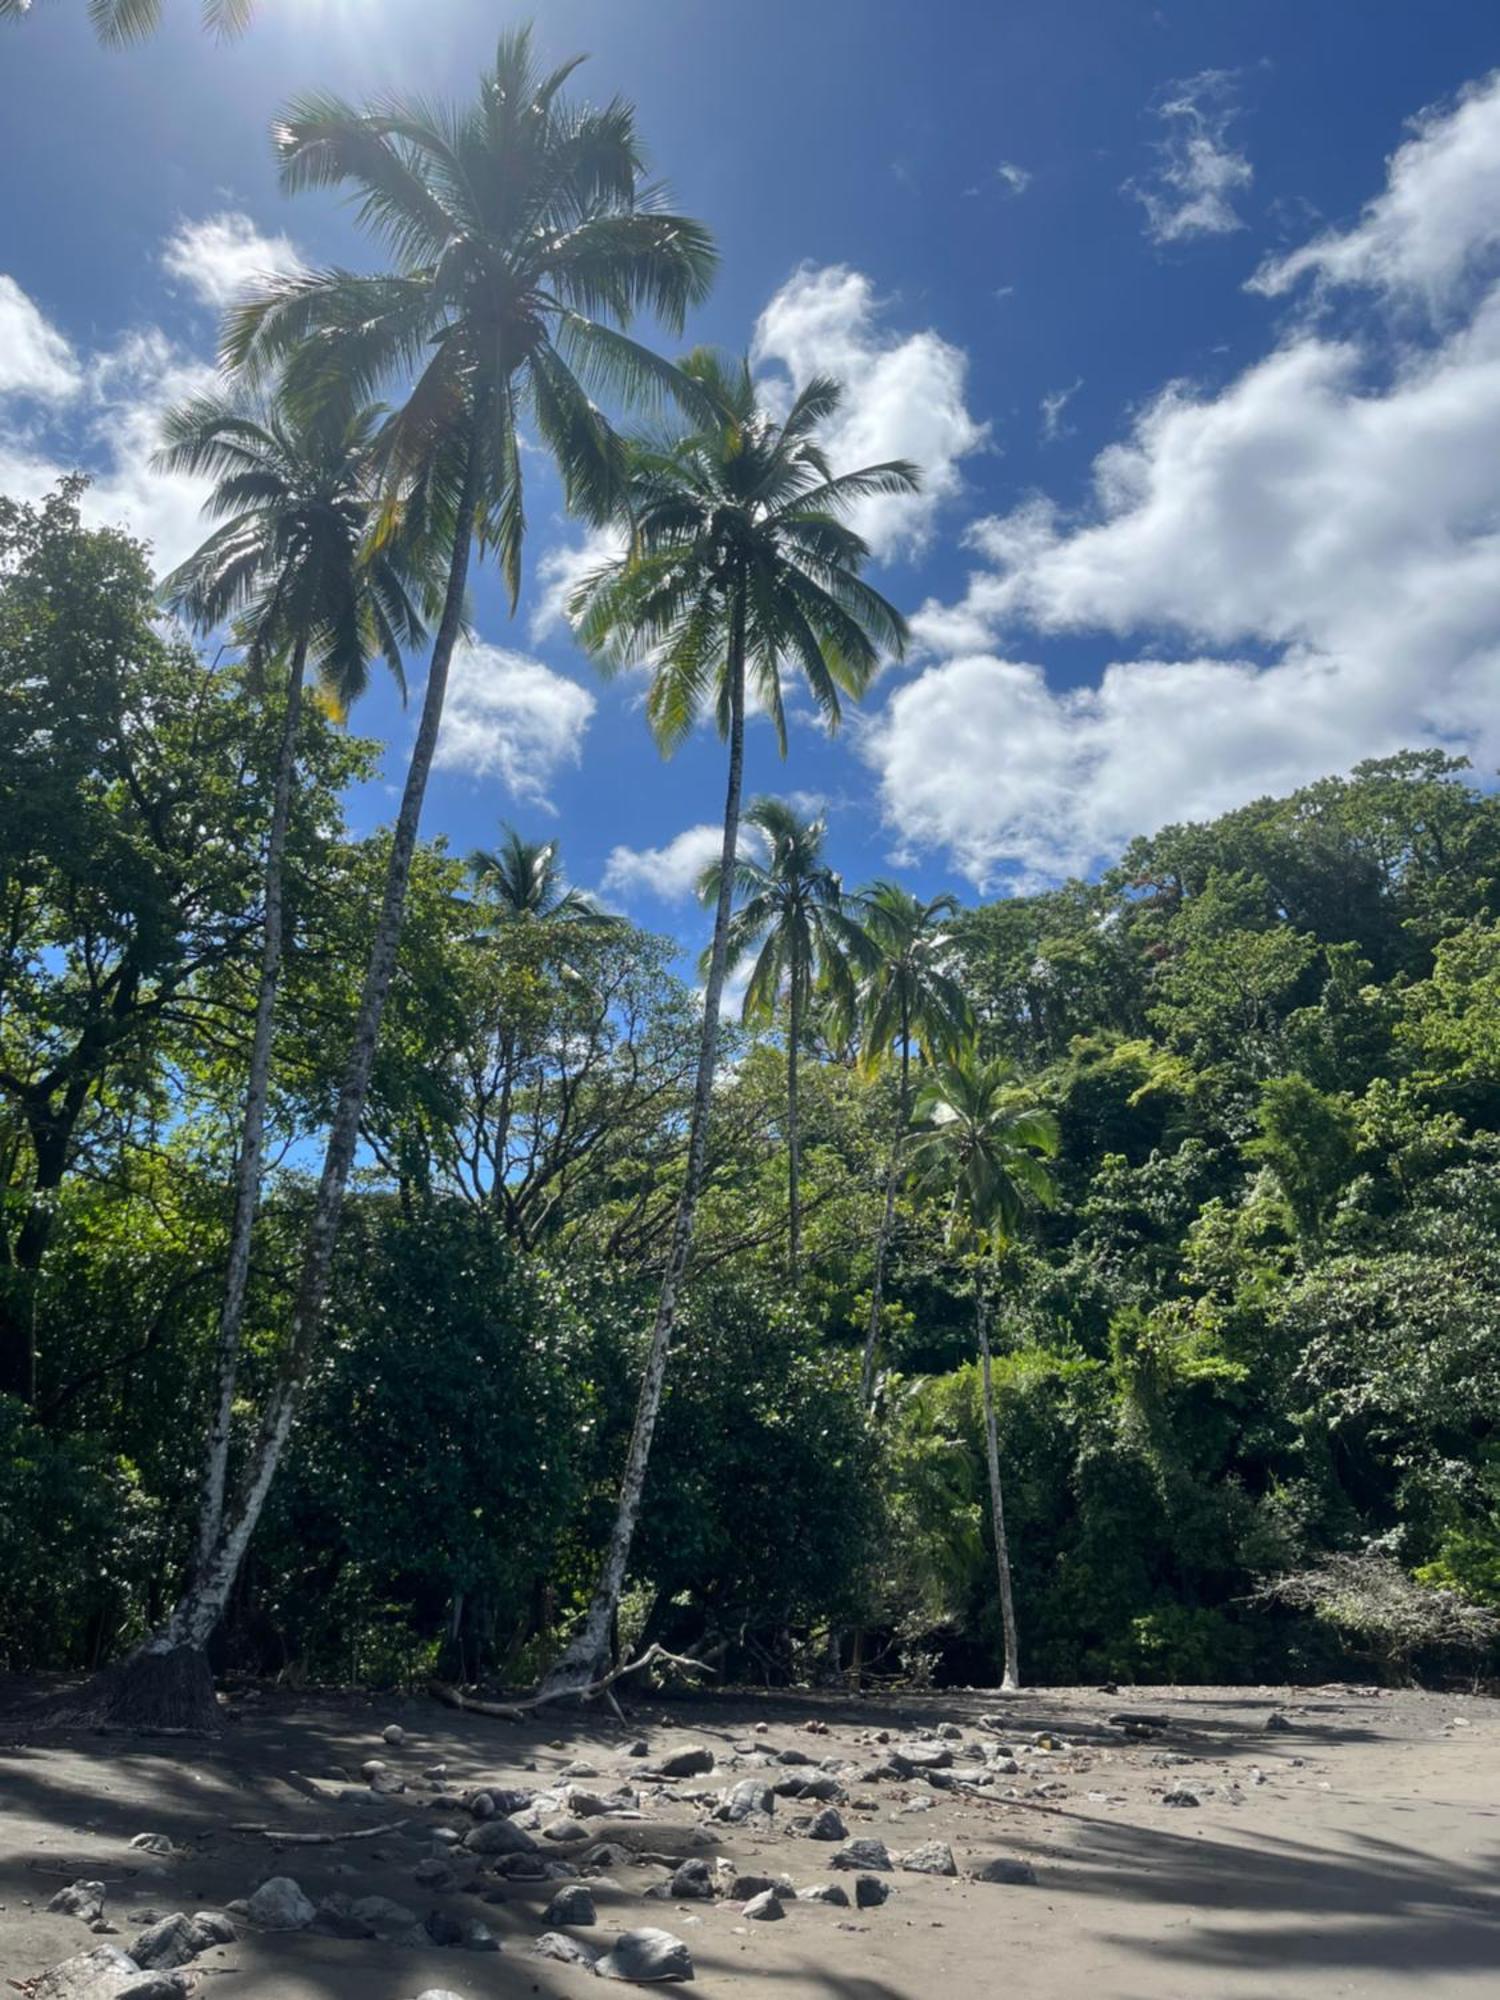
(157, 1986)
(387, 1920)
(428, 1874)
(1277, 1721)
(950, 1732)
(393, 1734)
(793, 1757)
(573, 1905)
(386, 1784)
(487, 1800)
(825, 1786)
(1180, 1795)
(609, 1854)
(827, 1825)
(646, 1956)
(443, 1929)
(477, 1936)
(870, 1891)
(692, 1882)
(825, 1892)
(765, 1908)
(279, 1905)
(749, 1796)
(689, 1763)
(1013, 1874)
(746, 1886)
(863, 1854)
(909, 1758)
(435, 1773)
(640, 1748)
(590, 1805)
(933, 1857)
(568, 1951)
(498, 1836)
(152, 1843)
(175, 1941)
(216, 1926)
(565, 1831)
(79, 1899)
(101, 1974)
(335, 1918)
(371, 1768)
(530, 1867)
(1005, 1766)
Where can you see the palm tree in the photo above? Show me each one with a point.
(289, 568)
(794, 911)
(989, 1149)
(117, 22)
(741, 565)
(909, 1001)
(524, 878)
(518, 225)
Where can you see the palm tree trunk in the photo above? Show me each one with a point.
(174, 1654)
(586, 1652)
(997, 1498)
(252, 1131)
(793, 1142)
(887, 1221)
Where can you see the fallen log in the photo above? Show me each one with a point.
(517, 1711)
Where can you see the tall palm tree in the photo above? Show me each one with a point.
(794, 911)
(290, 570)
(909, 1002)
(518, 226)
(117, 22)
(980, 1142)
(525, 881)
(741, 565)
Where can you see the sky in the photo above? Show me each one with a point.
(1190, 312)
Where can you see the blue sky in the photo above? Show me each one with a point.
(1188, 310)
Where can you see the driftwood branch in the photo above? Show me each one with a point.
(285, 1839)
(517, 1711)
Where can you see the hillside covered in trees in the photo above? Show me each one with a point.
(1245, 1319)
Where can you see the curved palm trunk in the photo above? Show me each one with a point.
(793, 1142)
(252, 1131)
(887, 1221)
(174, 1653)
(997, 1498)
(580, 1663)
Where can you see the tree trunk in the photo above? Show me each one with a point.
(887, 1221)
(584, 1657)
(997, 1498)
(252, 1133)
(198, 1612)
(793, 1143)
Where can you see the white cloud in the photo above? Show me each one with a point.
(1437, 220)
(1015, 178)
(562, 568)
(668, 873)
(904, 397)
(1199, 172)
(1052, 407)
(1327, 524)
(511, 717)
(103, 418)
(222, 256)
(35, 360)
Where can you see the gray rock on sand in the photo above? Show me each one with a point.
(689, 1763)
(572, 1905)
(175, 1940)
(106, 1973)
(1013, 1874)
(870, 1891)
(692, 1883)
(279, 1905)
(933, 1857)
(1180, 1795)
(827, 1825)
(393, 1734)
(566, 1950)
(79, 1899)
(498, 1836)
(825, 1892)
(742, 1800)
(566, 1832)
(646, 1957)
(216, 1926)
(863, 1854)
(765, 1908)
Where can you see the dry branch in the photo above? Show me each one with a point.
(517, 1711)
(285, 1839)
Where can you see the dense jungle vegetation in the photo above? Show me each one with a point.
(1256, 1325)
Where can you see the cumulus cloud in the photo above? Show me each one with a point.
(35, 360)
(1199, 171)
(511, 717)
(1318, 544)
(221, 257)
(1437, 220)
(1015, 179)
(904, 395)
(101, 414)
(562, 568)
(669, 873)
